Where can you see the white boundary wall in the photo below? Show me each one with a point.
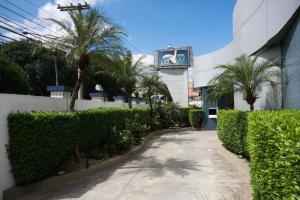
(13, 103)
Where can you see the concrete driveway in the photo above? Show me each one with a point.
(181, 165)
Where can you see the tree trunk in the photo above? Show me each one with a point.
(130, 101)
(77, 154)
(75, 91)
(251, 107)
(71, 109)
(150, 104)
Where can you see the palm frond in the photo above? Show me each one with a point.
(90, 32)
(245, 75)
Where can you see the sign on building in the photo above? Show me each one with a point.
(173, 57)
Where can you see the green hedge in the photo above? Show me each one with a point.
(184, 117)
(195, 116)
(274, 145)
(166, 115)
(232, 131)
(39, 142)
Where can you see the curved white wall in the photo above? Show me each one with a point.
(255, 22)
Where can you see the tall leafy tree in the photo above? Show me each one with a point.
(38, 65)
(246, 75)
(12, 77)
(89, 35)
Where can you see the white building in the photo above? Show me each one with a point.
(257, 24)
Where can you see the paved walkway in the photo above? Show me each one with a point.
(183, 165)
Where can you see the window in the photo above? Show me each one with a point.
(212, 112)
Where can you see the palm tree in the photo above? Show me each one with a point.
(164, 90)
(149, 86)
(91, 35)
(127, 72)
(246, 75)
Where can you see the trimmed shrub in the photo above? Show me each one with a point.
(195, 116)
(160, 118)
(274, 145)
(118, 140)
(232, 131)
(138, 130)
(168, 115)
(39, 142)
(172, 111)
(184, 117)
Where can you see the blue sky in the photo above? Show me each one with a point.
(206, 25)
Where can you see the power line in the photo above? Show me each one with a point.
(12, 11)
(33, 33)
(2, 41)
(23, 35)
(3, 27)
(10, 19)
(25, 11)
(8, 37)
(35, 5)
(10, 25)
(20, 15)
(40, 38)
(23, 27)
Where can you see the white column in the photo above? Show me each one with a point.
(177, 82)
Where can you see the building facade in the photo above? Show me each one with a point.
(173, 64)
(272, 25)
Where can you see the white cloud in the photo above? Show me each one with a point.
(148, 60)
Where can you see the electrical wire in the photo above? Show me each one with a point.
(23, 27)
(20, 15)
(15, 32)
(11, 25)
(2, 41)
(8, 37)
(39, 36)
(25, 11)
(35, 5)
(34, 34)
(14, 21)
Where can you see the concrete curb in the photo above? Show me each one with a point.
(19, 192)
(241, 163)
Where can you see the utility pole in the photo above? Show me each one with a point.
(72, 7)
(55, 66)
(77, 7)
